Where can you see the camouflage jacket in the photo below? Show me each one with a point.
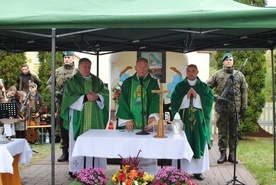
(219, 80)
(62, 75)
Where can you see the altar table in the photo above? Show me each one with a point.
(17, 150)
(110, 143)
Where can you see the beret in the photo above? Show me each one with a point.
(68, 53)
(227, 55)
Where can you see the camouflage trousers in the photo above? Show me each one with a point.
(63, 133)
(227, 130)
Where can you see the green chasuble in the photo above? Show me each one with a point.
(91, 116)
(196, 121)
(130, 105)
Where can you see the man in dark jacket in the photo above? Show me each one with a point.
(25, 78)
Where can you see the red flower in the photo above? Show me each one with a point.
(122, 176)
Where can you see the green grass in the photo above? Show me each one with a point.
(257, 155)
(39, 152)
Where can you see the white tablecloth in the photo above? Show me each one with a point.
(110, 143)
(8, 150)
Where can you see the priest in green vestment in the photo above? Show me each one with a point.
(193, 99)
(129, 111)
(85, 105)
(130, 105)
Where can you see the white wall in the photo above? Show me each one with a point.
(104, 65)
(201, 59)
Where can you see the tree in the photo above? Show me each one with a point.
(254, 72)
(260, 3)
(45, 72)
(10, 67)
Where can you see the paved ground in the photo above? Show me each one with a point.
(40, 173)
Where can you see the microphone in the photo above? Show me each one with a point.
(141, 81)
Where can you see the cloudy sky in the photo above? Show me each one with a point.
(271, 3)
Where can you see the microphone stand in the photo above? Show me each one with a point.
(235, 180)
(143, 113)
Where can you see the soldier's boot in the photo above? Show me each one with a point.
(222, 158)
(231, 158)
(64, 156)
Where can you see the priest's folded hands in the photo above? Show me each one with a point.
(91, 96)
(191, 93)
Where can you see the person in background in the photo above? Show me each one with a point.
(36, 105)
(193, 100)
(12, 94)
(13, 97)
(62, 75)
(85, 106)
(20, 127)
(3, 93)
(25, 78)
(226, 112)
(129, 109)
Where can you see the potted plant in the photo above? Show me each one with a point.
(130, 174)
(90, 176)
(172, 176)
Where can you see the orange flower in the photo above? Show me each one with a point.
(133, 174)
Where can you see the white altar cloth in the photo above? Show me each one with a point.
(110, 143)
(14, 147)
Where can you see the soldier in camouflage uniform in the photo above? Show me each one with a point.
(225, 105)
(62, 75)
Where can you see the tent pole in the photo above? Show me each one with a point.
(53, 35)
(98, 61)
(273, 103)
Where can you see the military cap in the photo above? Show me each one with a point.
(227, 55)
(33, 85)
(68, 53)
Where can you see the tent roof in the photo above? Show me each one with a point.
(130, 25)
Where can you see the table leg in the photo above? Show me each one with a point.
(42, 136)
(178, 164)
(7, 178)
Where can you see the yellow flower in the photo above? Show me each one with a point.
(148, 177)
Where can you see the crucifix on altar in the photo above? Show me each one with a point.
(160, 126)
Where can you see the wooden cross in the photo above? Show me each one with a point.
(160, 127)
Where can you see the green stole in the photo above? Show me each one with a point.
(87, 107)
(136, 102)
(194, 127)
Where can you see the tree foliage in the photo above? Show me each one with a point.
(45, 72)
(254, 72)
(260, 3)
(10, 67)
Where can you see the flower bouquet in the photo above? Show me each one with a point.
(128, 176)
(116, 94)
(90, 176)
(131, 174)
(172, 176)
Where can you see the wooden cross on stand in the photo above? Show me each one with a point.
(160, 127)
